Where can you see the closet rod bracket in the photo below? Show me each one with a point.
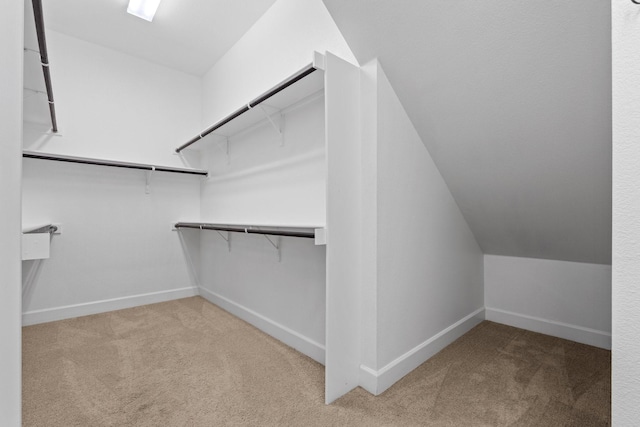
(276, 127)
(227, 239)
(147, 188)
(275, 245)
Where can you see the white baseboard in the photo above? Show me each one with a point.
(66, 312)
(549, 327)
(291, 338)
(376, 382)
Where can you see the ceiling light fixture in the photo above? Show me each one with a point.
(144, 9)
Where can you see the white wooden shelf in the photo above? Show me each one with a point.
(112, 163)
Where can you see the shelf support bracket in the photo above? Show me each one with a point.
(277, 246)
(147, 188)
(227, 239)
(277, 128)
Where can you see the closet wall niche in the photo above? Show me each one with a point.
(288, 164)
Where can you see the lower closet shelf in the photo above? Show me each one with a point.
(317, 233)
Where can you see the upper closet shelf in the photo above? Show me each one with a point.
(293, 90)
(112, 163)
(44, 60)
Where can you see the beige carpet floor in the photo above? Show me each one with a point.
(189, 363)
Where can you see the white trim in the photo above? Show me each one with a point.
(567, 331)
(69, 311)
(288, 336)
(377, 382)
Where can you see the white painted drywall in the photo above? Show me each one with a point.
(266, 183)
(117, 247)
(513, 101)
(567, 299)
(626, 221)
(113, 106)
(430, 268)
(261, 181)
(116, 243)
(286, 295)
(11, 34)
(280, 43)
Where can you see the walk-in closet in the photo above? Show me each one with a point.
(312, 212)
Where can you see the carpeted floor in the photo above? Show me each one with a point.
(189, 363)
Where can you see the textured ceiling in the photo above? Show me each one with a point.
(189, 36)
(513, 101)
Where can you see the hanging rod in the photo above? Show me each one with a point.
(285, 84)
(251, 229)
(44, 60)
(113, 163)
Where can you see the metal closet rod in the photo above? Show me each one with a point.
(112, 163)
(44, 59)
(249, 229)
(285, 84)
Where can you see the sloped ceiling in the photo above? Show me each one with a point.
(187, 36)
(513, 101)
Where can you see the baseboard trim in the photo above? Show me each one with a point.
(376, 382)
(549, 327)
(290, 337)
(69, 311)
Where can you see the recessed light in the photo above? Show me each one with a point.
(144, 9)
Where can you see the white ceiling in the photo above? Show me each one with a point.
(513, 101)
(189, 36)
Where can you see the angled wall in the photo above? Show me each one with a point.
(427, 289)
(513, 101)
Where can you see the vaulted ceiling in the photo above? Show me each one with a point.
(513, 101)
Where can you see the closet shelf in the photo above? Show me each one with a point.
(36, 241)
(307, 232)
(49, 228)
(44, 60)
(112, 163)
(250, 115)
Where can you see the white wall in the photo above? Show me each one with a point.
(261, 181)
(117, 248)
(11, 33)
(429, 266)
(278, 45)
(569, 300)
(626, 221)
(268, 184)
(113, 106)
